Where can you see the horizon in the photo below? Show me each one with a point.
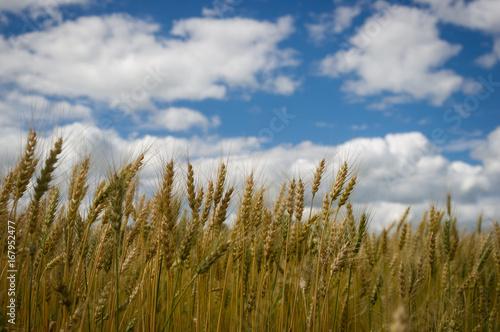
(411, 89)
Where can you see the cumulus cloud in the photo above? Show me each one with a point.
(483, 15)
(332, 23)
(183, 119)
(397, 51)
(488, 152)
(480, 15)
(395, 171)
(123, 61)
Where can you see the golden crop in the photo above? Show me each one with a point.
(167, 261)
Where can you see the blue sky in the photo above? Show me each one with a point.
(405, 84)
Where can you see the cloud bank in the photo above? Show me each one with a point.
(395, 171)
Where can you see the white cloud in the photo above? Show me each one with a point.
(480, 15)
(489, 152)
(183, 119)
(490, 59)
(281, 85)
(16, 108)
(221, 8)
(36, 14)
(483, 15)
(332, 23)
(470, 86)
(123, 61)
(20, 5)
(395, 171)
(344, 16)
(397, 51)
(463, 144)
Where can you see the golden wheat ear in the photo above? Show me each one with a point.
(110, 255)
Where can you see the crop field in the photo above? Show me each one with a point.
(107, 257)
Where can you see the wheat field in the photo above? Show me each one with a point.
(168, 261)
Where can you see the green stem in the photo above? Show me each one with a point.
(177, 301)
(179, 273)
(274, 286)
(336, 302)
(318, 262)
(348, 287)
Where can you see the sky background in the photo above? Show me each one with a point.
(410, 90)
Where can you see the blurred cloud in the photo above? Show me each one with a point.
(16, 108)
(37, 14)
(490, 59)
(17, 6)
(480, 15)
(396, 170)
(332, 23)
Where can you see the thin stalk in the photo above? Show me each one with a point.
(336, 302)
(29, 301)
(325, 222)
(157, 290)
(348, 288)
(223, 292)
(179, 274)
(116, 284)
(449, 279)
(283, 328)
(274, 286)
(88, 311)
(209, 279)
(177, 301)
